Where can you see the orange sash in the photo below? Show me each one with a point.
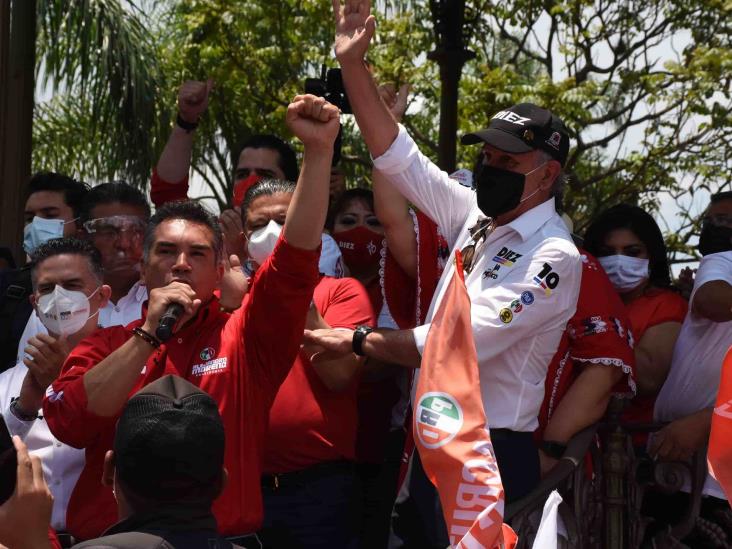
(719, 453)
(451, 431)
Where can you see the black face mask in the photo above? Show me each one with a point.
(498, 191)
(715, 239)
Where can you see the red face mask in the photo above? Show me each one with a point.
(242, 186)
(361, 247)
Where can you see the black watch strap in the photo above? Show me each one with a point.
(359, 334)
(187, 126)
(17, 412)
(553, 449)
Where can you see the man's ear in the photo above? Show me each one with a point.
(551, 172)
(32, 299)
(105, 292)
(108, 469)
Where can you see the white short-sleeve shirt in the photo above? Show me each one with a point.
(523, 287)
(693, 379)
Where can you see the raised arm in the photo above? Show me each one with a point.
(391, 207)
(175, 160)
(315, 122)
(395, 153)
(355, 26)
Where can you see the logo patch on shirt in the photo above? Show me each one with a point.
(215, 366)
(505, 315)
(527, 298)
(208, 353)
(547, 279)
(52, 395)
(506, 258)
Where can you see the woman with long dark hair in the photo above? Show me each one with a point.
(629, 245)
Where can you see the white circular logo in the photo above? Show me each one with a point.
(437, 419)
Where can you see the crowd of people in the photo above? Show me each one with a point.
(277, 412)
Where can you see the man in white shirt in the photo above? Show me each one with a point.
(523, 279)
(68, 294)
(114, 216)
(688, 395)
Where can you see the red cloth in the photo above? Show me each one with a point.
(240, 359)
(409, 299)
(654, 307)
(52, 539)
(375, 401)
(309, 423)
(161, 191)
(596, 334)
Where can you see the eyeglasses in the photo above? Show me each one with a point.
(115, 226)
(479, 232)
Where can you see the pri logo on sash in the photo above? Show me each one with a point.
(438, 419)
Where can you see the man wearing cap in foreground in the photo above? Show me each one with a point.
(522, 269)
(166, 469)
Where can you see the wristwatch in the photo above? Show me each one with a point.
(184, 124)
(359, 334)
(553, 449)
(20, 414)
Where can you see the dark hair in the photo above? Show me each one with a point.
(74, 191)
(718, 197)
(342, 202)
(116, 191)
(287, 158)
(71, 246)
(7, 255)
(264, 187)
(189, 210)
(642, 224)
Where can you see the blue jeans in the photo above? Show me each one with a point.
(309, 510)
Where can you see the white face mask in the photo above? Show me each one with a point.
(262, 242)
(40, 231)
(64, 312)
(625, 272)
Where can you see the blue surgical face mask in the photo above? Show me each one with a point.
(40, 231)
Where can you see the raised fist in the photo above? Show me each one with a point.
(193, 99)
(313, 120)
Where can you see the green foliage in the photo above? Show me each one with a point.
(100, 60)
(644, 86)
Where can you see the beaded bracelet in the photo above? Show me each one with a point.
(146, 337)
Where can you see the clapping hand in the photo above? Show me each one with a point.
(395, 100)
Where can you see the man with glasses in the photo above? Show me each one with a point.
(688, 396)
(114, 218)
(522, 268)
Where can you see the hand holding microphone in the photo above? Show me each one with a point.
(169, 308)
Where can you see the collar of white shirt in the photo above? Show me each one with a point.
(534, 219)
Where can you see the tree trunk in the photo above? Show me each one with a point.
(448, 17)
(17, 67)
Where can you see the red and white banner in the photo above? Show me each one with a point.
(451, 432)
(719, 453)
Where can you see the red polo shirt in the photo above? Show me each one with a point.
(240, 359)
(309, 423)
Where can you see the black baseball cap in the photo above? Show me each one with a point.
(169, 444)
(522, 128)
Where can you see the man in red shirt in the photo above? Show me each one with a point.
(240, 359)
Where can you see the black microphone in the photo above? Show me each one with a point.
(168, 320)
